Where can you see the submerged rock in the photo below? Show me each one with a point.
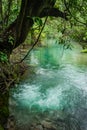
(39, 127)
(44, 125)
(48, 125)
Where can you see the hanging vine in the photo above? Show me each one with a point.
(35, 41)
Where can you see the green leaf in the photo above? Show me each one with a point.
(38, 21)
(3, 57)
(11, 40)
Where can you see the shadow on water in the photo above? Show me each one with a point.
(56, 91)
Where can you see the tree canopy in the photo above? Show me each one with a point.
(17, 17)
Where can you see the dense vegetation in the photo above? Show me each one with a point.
(21, 19)
(18, 17)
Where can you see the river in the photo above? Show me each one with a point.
(56, 88)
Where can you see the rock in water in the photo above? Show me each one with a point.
(48, 125)
(39, 127)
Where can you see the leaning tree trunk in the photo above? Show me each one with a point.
(19, 29)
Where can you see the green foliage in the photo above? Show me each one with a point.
(11, 40)
(77, 17)
(84, 51)
(77, 10)
(1, 128)
(66, 43)
(3, 57)
(79, 33)
(4, 110)
(85, 36)
(10, 10)
(38, 21)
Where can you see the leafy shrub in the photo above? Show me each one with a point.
(3, 57)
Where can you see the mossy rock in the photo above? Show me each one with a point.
(84, 51)
(4, 107)
(4, 110)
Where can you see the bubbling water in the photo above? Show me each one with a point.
(58, 84)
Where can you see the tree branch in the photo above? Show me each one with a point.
(53, 12)
(35, 41)
(21, 26)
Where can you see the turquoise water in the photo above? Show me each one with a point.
(58, 84)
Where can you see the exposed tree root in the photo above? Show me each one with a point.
(10, 75)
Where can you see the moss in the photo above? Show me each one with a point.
(84, 51)
(4, 109)
(1, 128)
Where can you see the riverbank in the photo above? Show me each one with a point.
(10, 74)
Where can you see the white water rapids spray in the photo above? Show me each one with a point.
(57, 85)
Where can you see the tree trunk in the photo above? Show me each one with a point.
(17, 32)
